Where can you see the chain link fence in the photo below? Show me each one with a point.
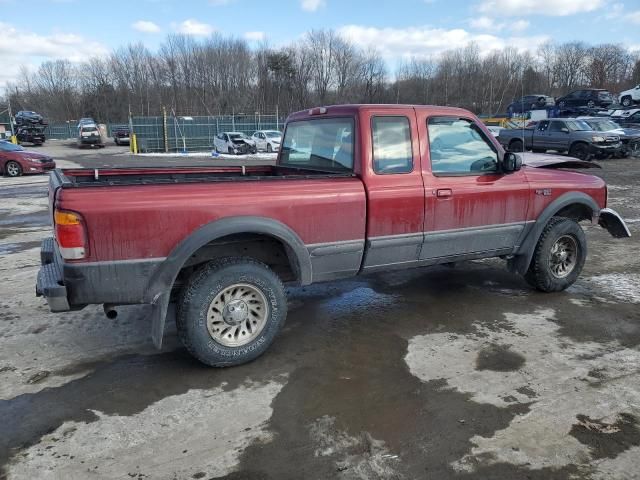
(177, 134)
(192, 134)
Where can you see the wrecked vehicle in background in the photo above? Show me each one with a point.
(356, 189)
(629, 137)
(234, 143)
(569, 135)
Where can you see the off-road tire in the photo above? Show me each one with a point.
(201, 290)
(539, 274)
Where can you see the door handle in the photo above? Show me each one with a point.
(444, 192)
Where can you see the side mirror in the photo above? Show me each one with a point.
(511, 162)
(564, 129)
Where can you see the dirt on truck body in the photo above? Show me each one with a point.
(356, 189)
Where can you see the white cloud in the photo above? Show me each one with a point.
(194, 27)
(145, 26)
(485, 23)
(519, 25)
(255, 36)
(312, 5)
(396, 43)
(30, 49)
(634, 17)
(554, 8)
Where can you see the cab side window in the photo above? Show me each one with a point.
(458, 147)
(392, 152)
(556, 126)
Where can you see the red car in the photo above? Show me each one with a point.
(356, 189)
(16, 161)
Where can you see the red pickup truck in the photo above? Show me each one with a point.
(356, 189)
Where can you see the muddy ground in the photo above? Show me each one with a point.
(432, 373)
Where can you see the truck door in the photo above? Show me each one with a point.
(395, 193)
(471, 208)
(558, 135)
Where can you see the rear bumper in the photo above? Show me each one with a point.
(72, 286)
(50, 281)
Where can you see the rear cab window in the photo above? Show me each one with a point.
(457, 146)
(392, 148)
(324, 144)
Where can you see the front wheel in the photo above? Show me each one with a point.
(591, 104)
(230, 311)
(626, 102)
(269, 148)
(580, 151)
(516, 146)
(559, 256)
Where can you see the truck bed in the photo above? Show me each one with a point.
(89, 177)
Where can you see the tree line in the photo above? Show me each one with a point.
(222, 75)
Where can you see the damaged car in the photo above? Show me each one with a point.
(629, 137)
(234, 143)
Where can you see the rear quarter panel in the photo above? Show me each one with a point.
(148, 221)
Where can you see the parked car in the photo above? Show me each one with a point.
(353, 192)
(627, 118)
(89, 134)
(16, 161)
(530, 102)
(121, 135)
(629, 97)
(25, 117)
(588, 97)
(562, 135)
(31, 134)
(86, 121)
(630, 137)
(234, 143)
(267, 140)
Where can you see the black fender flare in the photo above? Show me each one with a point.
(158, 289)
(527, 244)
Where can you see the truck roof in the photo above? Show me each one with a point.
(352, 109)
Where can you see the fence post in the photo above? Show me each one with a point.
(69, 129)
(165, 134)
(277, 118)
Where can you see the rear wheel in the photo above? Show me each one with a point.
(13, 169)
(591, 104)
(230, 311)
(626, 101)
(516, 146)
(580, 151)
(559, 256)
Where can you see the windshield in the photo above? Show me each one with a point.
(604, 126)
(577, 125)
(237, 136)
(273, 134)
(89, 129)
(10, 147)
(319, 144)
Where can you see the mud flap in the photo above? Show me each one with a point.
(159, 318)
(613, 223)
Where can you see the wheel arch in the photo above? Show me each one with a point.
(575, 205)
(158, 290)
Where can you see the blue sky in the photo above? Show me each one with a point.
(76, 29)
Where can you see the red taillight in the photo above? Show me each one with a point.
(70, 234)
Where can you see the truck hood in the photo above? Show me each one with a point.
(539, 160)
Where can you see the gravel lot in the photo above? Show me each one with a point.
(430, 373)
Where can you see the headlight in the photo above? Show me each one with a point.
(598, 139)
